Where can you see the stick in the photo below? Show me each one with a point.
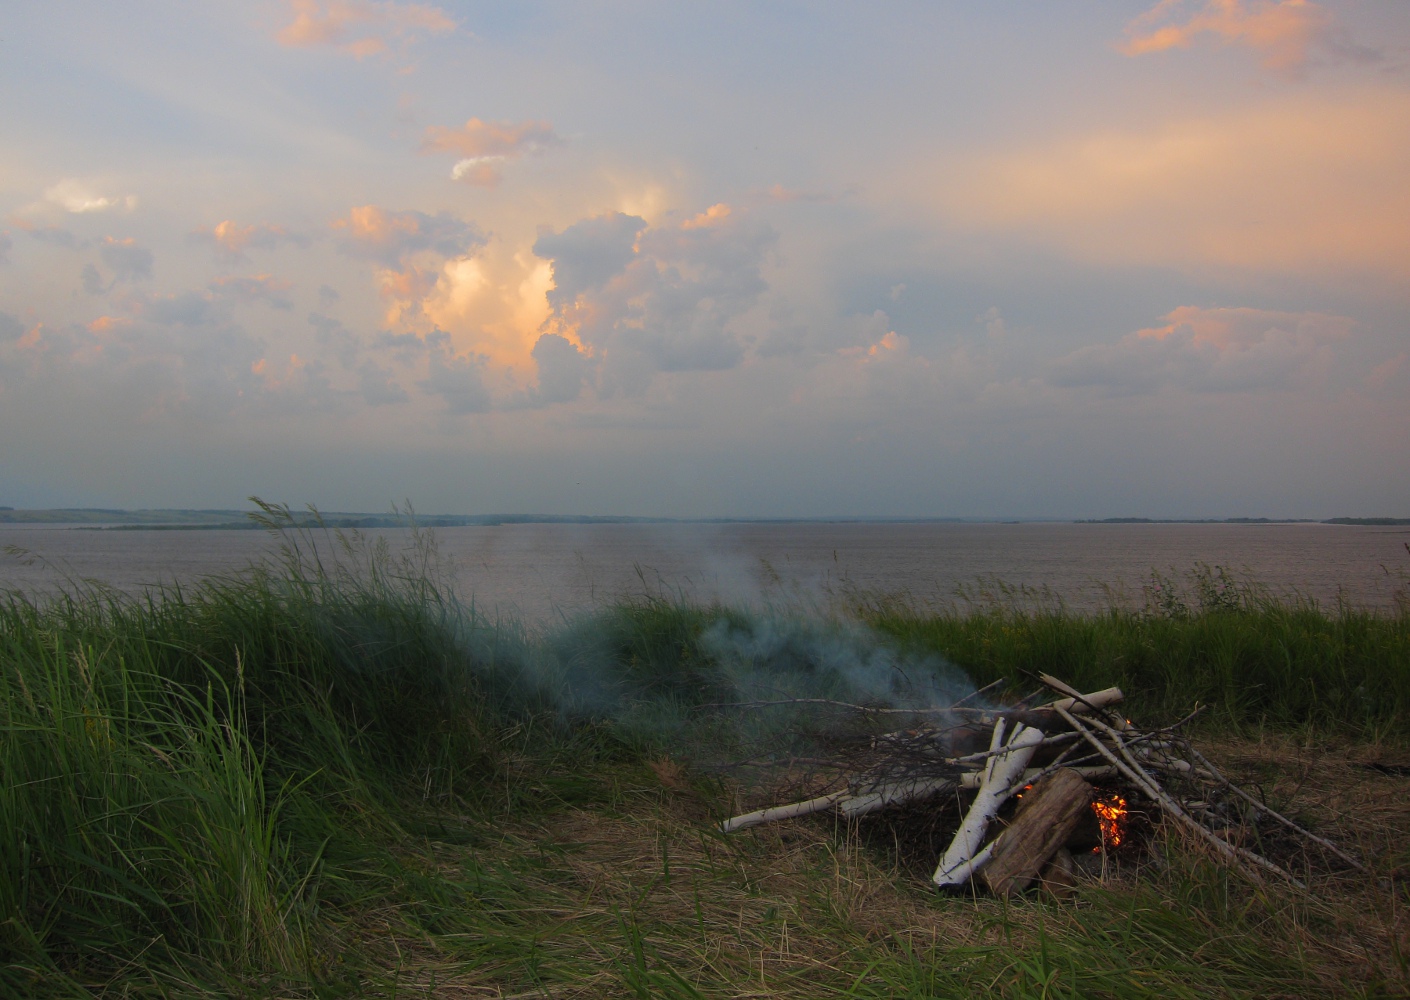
(1153, 791)
(963, 858)
(1219, 777)
(973, 779)
(1097, 699)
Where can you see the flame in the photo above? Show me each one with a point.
(1112, 815)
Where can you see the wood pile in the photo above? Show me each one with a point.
(1051, 758)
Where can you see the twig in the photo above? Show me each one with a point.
(975, 694)
(1261, 807)
(1147, 784)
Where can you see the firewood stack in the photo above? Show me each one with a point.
(1048, 757)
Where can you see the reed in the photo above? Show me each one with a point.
(333, 778)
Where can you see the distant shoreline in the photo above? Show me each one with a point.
(182, 519)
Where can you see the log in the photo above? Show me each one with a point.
(1045, 819)
(895, 794)
(790, 811)
(963, 858)
(1059, 878)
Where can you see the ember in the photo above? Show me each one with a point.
(1112, 815)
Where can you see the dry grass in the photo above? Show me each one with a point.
(642, 897)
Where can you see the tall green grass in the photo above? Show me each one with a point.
(241, 787)
(1252, 660)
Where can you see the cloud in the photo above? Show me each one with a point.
(48, 234)
(640, 299)
(459, 381)
(378, 386)
(231, 240)
(255, 288)
(485, 146)
(92, 280)
(588, 254)
(361, 27)
(492, 304)
(6, 245)
(390, 238)
(79, 199)
(1283, 32)
(10, 328)
(128, 261)
(563, 370)
(1303, 184)
(182, 309)
(1208, 350)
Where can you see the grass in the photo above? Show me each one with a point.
(1254, 660)
(333, 779)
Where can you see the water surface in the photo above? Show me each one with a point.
(544, 570)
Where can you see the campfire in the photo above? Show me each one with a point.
(1029, 779)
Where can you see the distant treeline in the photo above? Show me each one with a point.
(227, 520)
(1245, 520)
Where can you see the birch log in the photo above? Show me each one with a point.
(790, 811)
(1002, 775)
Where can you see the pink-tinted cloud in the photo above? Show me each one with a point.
(360, 27)
(230, 239)
(1209, 350)
(390, 237)
(485, 146)
(1282, 32)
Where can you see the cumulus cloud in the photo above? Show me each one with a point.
(137, 369)
(459, 381)
(255, 288)
(483, 147)
(78, 198)
(230, 240)
(361, 27)
(390, 237)
(182, 309)
(6, 245)
(588, 254)
(641, 299)
(562, 370)
(1208, 350)
(92, 280)
(127, 260)
(1283, 32)
(378, 386)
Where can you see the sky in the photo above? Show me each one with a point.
(769, 259)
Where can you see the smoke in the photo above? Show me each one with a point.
(711, 684)
(708, 682)
(775, 659)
